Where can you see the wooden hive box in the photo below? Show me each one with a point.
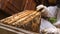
(15, 6)
(28, 20)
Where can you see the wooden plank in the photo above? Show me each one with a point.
(28, 18)
(15, 30)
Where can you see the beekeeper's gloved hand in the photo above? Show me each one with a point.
(43, 9)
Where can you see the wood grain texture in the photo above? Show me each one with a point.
(14, 6)
(28, 20)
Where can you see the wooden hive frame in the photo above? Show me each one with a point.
(28, 20)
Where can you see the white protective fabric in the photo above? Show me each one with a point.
(52, 10)
(45, 24)
(47, 27)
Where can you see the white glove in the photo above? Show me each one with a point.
(39, 7)
(47, 11)
(44, 10)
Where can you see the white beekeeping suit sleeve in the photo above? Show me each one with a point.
(52, 11)
(47, 27)
(46, 24)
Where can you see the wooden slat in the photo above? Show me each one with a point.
(28, 20)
